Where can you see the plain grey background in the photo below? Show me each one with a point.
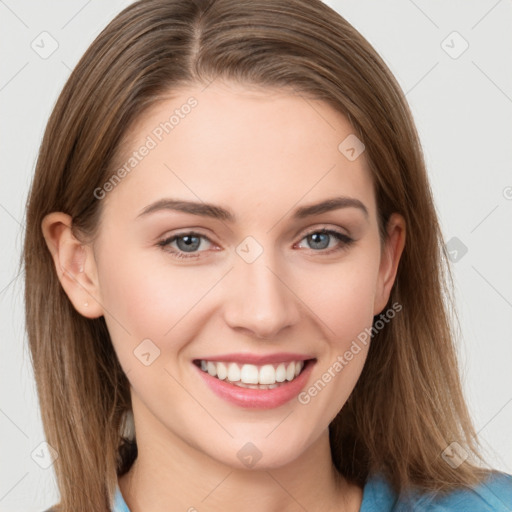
(452, 58)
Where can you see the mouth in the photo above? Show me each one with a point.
(252, 376)
(256, 385)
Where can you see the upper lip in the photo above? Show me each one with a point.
(257, 359)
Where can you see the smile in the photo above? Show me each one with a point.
(267, 376)
(253, 385)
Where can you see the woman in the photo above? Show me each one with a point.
(231, 239)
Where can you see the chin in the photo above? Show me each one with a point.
(259, 452)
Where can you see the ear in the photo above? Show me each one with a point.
(74, 263)
(390, 257)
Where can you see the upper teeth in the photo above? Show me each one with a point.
(252, 374)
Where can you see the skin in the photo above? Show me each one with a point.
(262, 154)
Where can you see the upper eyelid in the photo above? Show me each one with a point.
(324, 228)
(305, 232)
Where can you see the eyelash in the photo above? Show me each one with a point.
(345, 241)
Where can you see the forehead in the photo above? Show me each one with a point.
(247, 148)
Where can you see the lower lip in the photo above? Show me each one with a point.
(258, 398)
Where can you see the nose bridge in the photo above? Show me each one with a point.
(259, 300)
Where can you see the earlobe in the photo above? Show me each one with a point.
(74, 263)
(391, 253)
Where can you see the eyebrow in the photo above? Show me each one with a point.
(220, 213)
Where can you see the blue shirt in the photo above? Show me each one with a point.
(492, 495)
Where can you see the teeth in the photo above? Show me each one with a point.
(233, 372)
(281, 373)
(249, 374)
(255, 386)
(222, 371)
(212, 368)
(252, 376)
(290, 371)
(267, 374)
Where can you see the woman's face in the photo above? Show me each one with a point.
(210, 250)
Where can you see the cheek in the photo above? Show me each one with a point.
(345, 307)
(150, 298)
(341, 297)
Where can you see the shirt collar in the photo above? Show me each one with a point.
(119, 503)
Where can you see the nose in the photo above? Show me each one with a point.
(261, 302)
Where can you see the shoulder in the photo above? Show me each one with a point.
(492, 495)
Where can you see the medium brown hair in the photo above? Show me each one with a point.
(408, 405)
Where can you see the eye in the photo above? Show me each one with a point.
(321, 239)
(187, 244)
